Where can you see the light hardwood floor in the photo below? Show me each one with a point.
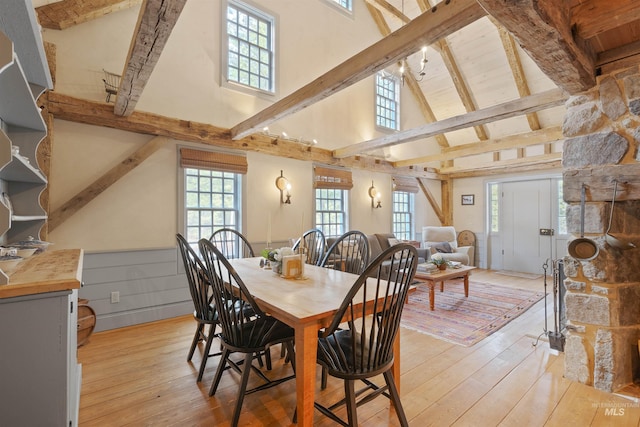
(139, 376)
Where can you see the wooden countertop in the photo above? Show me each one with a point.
(49, 271)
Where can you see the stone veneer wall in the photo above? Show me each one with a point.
(602, 127)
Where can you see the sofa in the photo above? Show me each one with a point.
(443, 240)
(379, 242)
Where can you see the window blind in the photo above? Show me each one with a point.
(212, 160)
(404, 183)
(324, 177)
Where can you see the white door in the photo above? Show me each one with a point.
(527, 223)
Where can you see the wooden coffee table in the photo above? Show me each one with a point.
(431, 277)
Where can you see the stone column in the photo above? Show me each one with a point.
(602, 127)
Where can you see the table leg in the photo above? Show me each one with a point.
(432, 295)
(396, 362)
(466, 285)
(442, 286)
(306, 348)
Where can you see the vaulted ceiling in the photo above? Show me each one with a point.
(497, 75)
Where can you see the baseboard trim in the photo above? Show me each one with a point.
(119, 320)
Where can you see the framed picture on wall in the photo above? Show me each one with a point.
(468, 199)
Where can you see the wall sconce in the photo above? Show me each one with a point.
(375, 197)
(283, 185)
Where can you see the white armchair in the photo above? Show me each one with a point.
(442, 238)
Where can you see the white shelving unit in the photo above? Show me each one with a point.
(40, 373)
(21, 125)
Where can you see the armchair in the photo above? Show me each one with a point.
(442, 238)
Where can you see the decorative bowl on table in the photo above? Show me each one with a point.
(8, 263)
(25, 252)
(30, 242)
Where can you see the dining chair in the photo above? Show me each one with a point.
(350, 253)
(204, 312)
(362, 348)
(240, 334)
(314, 243)
(232, 243)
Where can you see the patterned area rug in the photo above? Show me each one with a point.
(519, 274)
(465, 321)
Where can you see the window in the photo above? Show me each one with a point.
(404, 189)
(250, 48)
(387, 101)
(402, 215)
(332, 191)
(212, 192)
(494, 208)
(346, 4)
(211, 202)
(331, 210)
(562, 210)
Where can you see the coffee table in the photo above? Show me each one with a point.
(431, 277)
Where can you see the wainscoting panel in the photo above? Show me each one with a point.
(150, 285)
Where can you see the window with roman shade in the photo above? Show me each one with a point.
(331, 196)
(212, 192)
(404, 189)
(324, 177)
(406, 184)
(212, 160)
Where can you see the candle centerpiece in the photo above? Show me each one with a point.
(276, 257)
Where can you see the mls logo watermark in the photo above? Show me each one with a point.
(615, 412)
(612, 409)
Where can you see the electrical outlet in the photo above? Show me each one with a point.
(115, 297)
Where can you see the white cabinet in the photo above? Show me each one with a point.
(39, 370)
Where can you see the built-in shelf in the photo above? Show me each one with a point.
(21, 130)
(28, 217)
(20, 169)
(17, 105)
(18, 21)
(38, 300)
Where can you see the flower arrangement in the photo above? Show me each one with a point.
(275, 256)
(438, 260)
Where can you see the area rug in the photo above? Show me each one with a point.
(465, 321)
(519, 274)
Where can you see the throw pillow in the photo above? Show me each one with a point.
(443, 247)
(393, 242)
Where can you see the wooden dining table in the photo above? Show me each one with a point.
(308, 305)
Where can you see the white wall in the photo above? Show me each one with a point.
(140, 211)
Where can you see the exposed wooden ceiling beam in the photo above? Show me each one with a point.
(410, 79)
(528, 164)
(522, 140)
(543, 30)
(66, 13)
(423, 5)
(110, 177)
(621, 57)
(593, 17)
(460, 85)
(66, 107)
(385, 6)
(155, 22)
(537, 102)
(432, 201)
(425, 29)
(513, 57)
